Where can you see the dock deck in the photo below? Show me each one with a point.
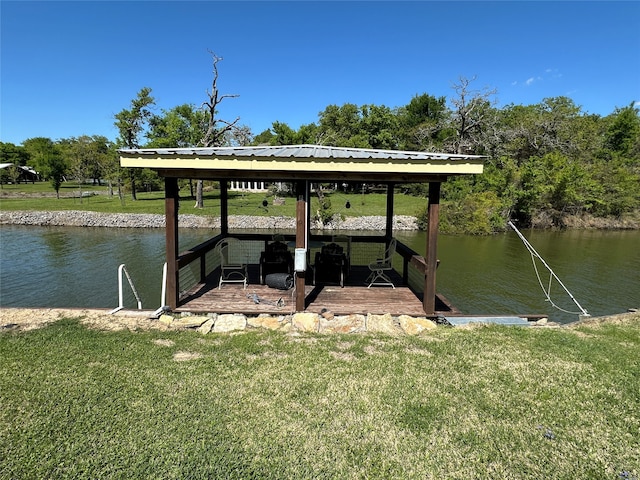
(353, 298)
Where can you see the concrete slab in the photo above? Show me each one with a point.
(458, 321)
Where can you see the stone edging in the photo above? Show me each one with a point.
(79, 218)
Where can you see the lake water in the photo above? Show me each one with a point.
(77, 267)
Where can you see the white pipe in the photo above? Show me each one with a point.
(163, 298)
(120, 293)
(121, 269)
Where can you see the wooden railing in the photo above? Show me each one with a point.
(410, 259)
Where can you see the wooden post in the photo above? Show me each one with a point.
(224, 208)
(171, 206)
(429, 299)
(301, 239)
(390, 189)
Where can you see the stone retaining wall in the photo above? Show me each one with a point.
(78, 218)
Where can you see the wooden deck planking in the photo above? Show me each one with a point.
(354, 298)
(375, 300)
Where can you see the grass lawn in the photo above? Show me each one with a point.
(25, 197)
(493, 402)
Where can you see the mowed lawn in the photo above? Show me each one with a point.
(487, 402)
(30, 197)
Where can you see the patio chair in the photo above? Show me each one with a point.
(331, 264)
(345, 242)
(275, 259)
(381, 266)
(233, 265)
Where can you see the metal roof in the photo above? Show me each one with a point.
(299, 151)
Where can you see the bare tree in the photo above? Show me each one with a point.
(470, 108)
(217, 129)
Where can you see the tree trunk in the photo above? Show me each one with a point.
(199, 197)
(132, 177)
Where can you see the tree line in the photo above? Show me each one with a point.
(543, 161)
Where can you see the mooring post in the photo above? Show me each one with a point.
(301, 241)
(171, 205)
(429, 298)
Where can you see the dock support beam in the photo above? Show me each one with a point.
(389, 225)
(429, 299)
(302, 229)
(224, 208)
(171, 205)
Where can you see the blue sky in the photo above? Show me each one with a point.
(68, 67)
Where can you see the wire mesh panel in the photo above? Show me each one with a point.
(189, 276)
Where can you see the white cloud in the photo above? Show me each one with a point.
(530, 81)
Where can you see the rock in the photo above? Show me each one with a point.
(266, 321)
(415, 325)
(344, 324)
(306, 322)
(166, 319)
(206, 326)
(229, 322)
(327, 314)
(382, 324)
(189, 321)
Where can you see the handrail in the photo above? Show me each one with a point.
(198, 252)
(120, 306)
(163, 294)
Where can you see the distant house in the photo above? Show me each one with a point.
(24, 174)
(248, 186)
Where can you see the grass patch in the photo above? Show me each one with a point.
(24, 197)
(494, 402)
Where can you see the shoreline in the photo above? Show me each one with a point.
(80, 218)
(25, 319)
(83, 218)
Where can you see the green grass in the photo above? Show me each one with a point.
(153, 202)
(494, 402)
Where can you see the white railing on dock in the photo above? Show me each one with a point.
(122, 269)
(163, 294)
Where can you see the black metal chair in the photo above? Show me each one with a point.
(275, 259)
(331, 265)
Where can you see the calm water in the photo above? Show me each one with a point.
(77, 267)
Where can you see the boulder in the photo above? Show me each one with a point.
(382, 324)
(343, 324)
(206, 326)
(190, 321)
(305, 321)
(229, 322)
(266, 321)
(415, 325)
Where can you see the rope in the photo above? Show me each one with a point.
(547, 292)
(552, 275)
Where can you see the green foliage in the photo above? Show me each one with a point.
(623, 134)
(180, 127)
(548, 159)
(476, 214)
(10, 153)
(131, 124)
(46, 158)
